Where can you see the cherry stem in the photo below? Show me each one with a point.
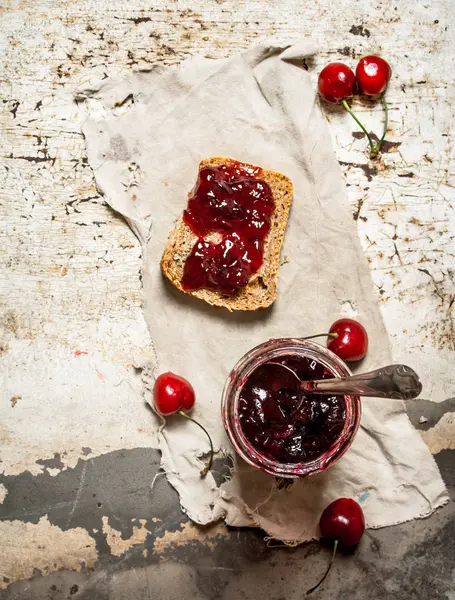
(374, 148)
(377, 148)
(386, 117)
(331, 335)
(207, 468)
(335, 546)
(360, 124)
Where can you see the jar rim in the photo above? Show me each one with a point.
(260, 354)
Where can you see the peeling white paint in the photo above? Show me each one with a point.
(53, 472)
(3, 493)
(73, 266)
(26, 547)
(442, 435)
(77, 265)
(69, 407)
(190, 533)
(117, 544)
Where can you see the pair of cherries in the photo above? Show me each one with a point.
(337, 83)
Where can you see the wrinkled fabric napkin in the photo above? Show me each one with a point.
(145, 137)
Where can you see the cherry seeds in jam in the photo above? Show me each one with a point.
(235, 205)
(284, 423)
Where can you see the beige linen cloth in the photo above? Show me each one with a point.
(145, 137)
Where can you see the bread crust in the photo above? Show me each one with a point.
(262, 289)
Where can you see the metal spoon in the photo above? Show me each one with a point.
(394, 381)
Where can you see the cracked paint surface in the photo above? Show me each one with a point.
(118, 545)
(190, 533)
(442, 435)
(78, 265)
(43, 546)
(72, 335)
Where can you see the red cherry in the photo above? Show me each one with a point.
(343, 520)
(336, 83)
(172, 394)
(351, 341)
(373, 74)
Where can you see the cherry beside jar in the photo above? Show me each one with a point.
(279, 350)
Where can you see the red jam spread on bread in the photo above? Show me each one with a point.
(234, 203)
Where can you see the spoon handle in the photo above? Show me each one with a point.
(394, 381)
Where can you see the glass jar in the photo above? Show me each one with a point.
(269, 351)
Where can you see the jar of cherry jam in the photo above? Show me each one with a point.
(276, 427)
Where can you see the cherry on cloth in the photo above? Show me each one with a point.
(348, 339)
(172, 395)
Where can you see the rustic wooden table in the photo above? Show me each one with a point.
(76, 516)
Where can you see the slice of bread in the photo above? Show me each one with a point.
(262, 289)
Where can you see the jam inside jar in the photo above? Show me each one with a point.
(230, 211)
(282, 421)
(272, 425)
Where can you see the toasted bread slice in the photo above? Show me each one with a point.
(261, 290)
